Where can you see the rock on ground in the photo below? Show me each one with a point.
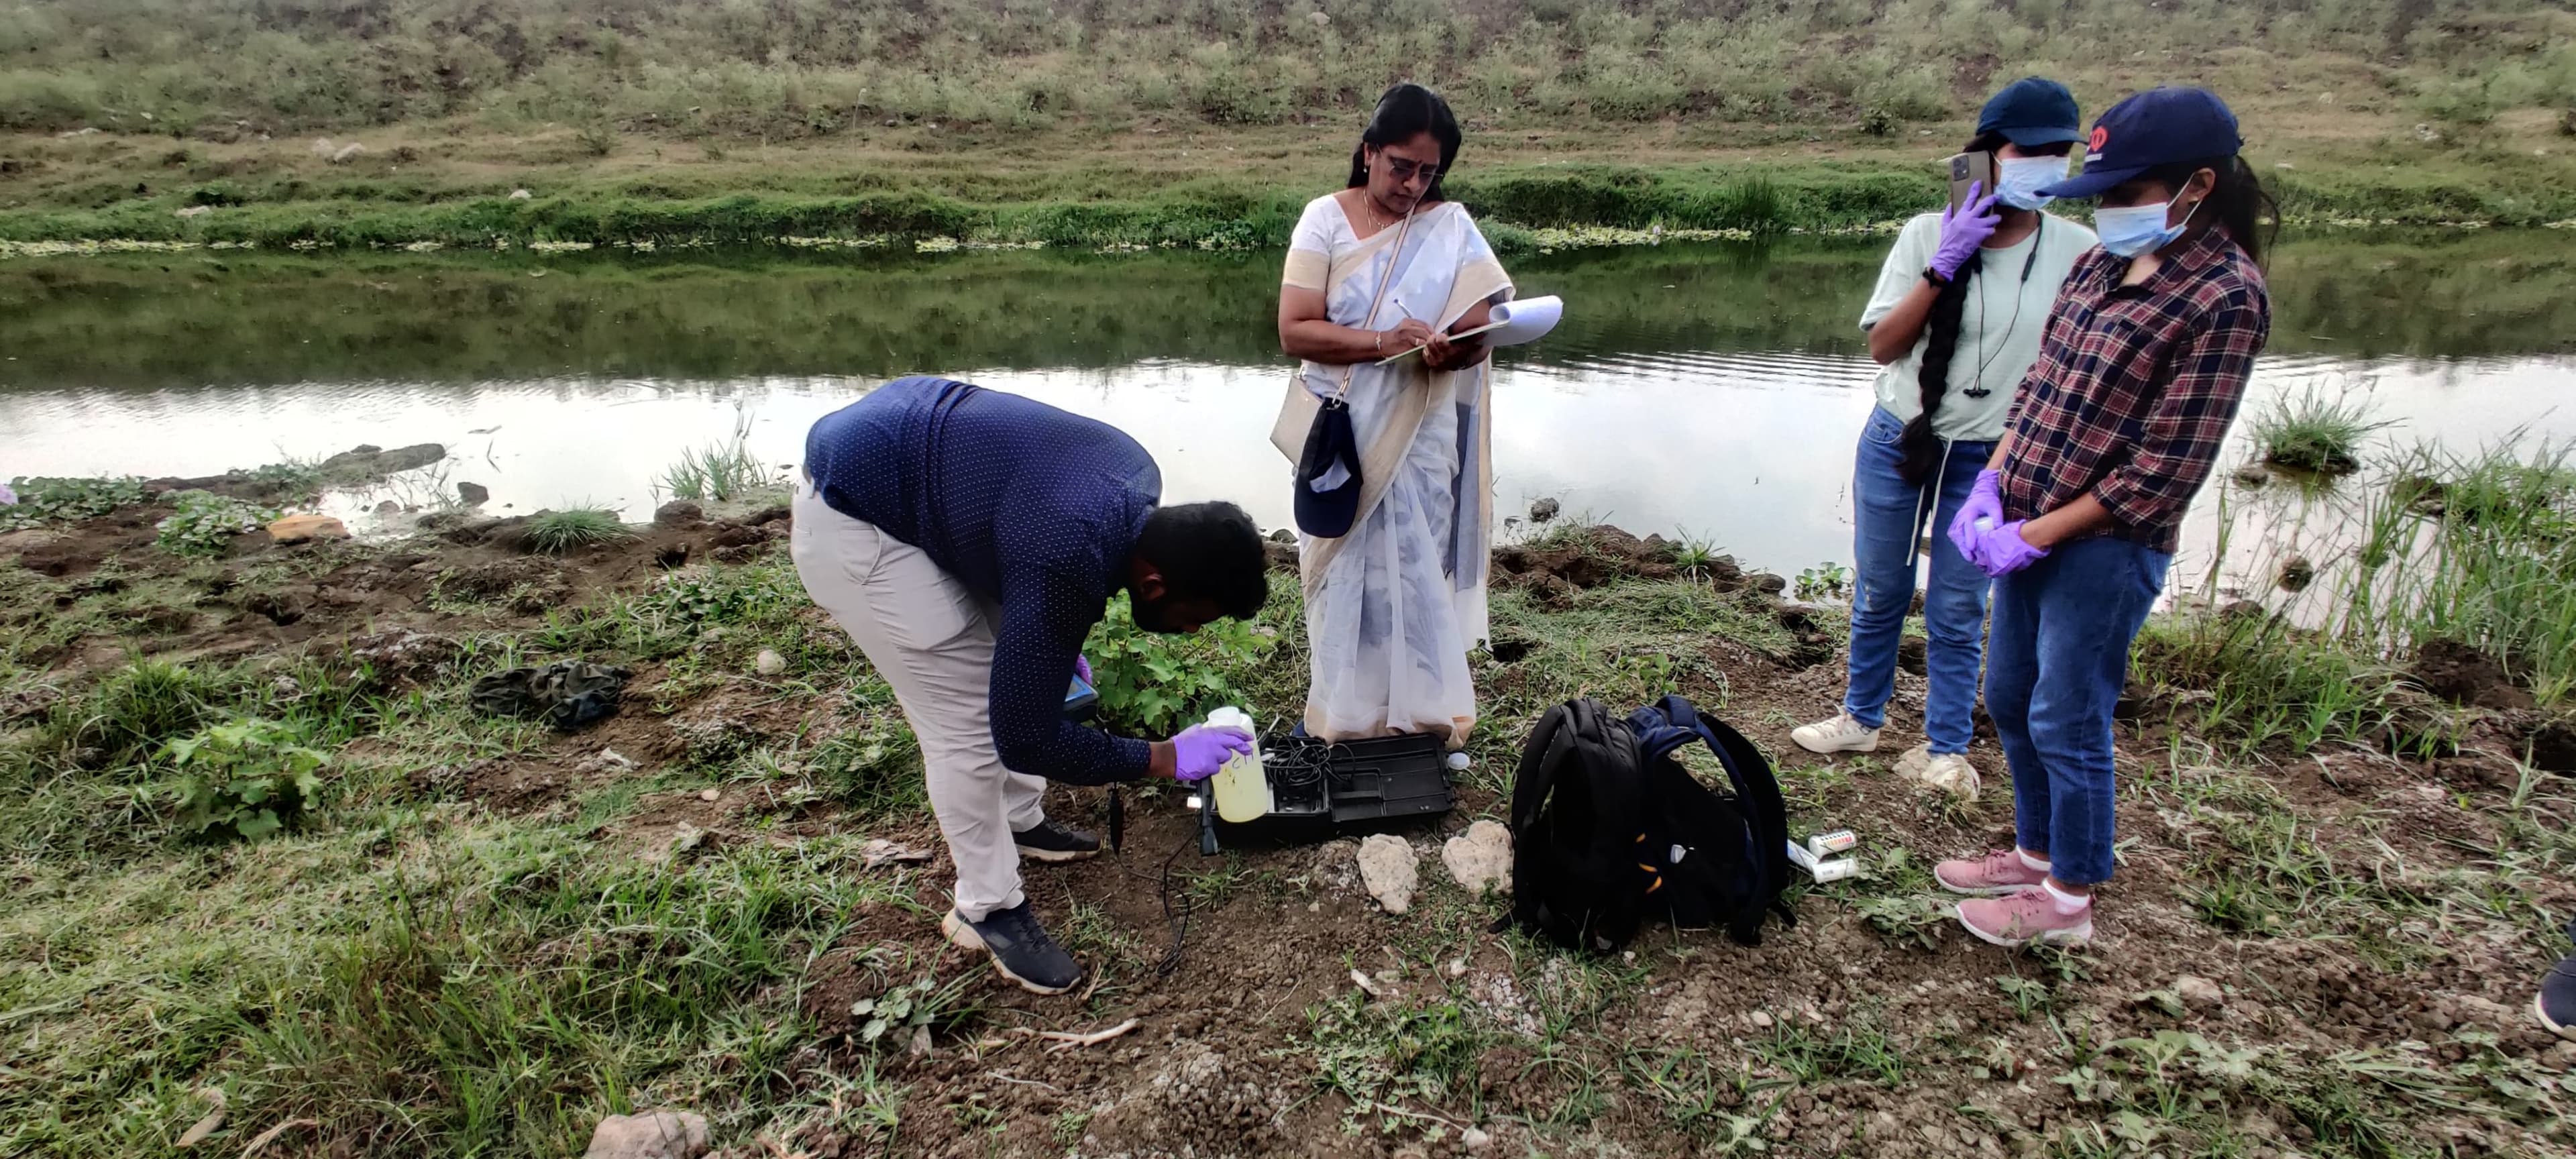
(1386, 868)
(1480, 858)
(299, 528)
(367, 462)
(652, 1135)
(2199, 993)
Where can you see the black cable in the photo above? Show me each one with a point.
(1977, 387)
(1177, 918)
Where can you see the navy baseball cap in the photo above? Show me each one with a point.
(2155, 127)
(2031, 112)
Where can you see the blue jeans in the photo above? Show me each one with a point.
(1888, 516)
(2055, 666)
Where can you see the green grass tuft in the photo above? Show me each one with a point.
(2312, 432)
(720, 472)
(557, 532)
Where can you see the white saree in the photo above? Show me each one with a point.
(1393, 607)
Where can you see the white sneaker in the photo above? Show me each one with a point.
(1951, 773)
(1916, 759)
(1842, 734)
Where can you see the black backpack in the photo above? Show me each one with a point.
(1608, 829)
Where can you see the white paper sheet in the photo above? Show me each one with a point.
(1510, 324)
(1514, 323)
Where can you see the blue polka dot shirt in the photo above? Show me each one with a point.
(1033, 509)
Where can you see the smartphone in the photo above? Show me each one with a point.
(1080, 700)
(1970, 170)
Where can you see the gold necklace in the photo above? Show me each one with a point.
(1370, 204)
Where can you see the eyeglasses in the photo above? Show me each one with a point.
(1405, 171)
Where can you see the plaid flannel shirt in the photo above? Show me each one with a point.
(2136, 386)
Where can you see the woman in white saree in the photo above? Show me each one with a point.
(1380, 268)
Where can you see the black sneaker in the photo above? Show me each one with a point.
(2555, 1005)
(1048, 841)
(1021, 949)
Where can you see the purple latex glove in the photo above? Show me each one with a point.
(1985, 505)
(1963, 229)
(2002, 551)
(1202, 749)
(1082, 668)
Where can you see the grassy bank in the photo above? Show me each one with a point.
(699, 68)
(477, 936)
(399, 122)
(1222, 206)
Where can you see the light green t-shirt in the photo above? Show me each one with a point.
(1999, 329)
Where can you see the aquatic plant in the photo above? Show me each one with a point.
(2313, 432)
(205, 523)
(721, 471)
(70, 500)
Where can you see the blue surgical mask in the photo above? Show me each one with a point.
(2131, 230)
(2018, 180)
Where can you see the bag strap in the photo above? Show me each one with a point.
(1393, 258)
(1547, 749)
(1757, 791)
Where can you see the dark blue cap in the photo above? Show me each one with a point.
(2155, 127)
(2031, 112)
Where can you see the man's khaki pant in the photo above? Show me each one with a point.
(933, 641)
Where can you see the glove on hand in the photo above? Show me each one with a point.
(1985, 505)
(1200, 750)
(2003, 551)
(1963, 230)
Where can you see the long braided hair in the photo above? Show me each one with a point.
(1919, 450)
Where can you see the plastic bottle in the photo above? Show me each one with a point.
(1242, 789)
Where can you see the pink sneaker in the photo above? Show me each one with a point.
(2001, 872)
(2029, 916)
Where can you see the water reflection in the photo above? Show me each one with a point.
(1714, 391)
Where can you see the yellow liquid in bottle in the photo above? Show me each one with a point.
(1242, 789)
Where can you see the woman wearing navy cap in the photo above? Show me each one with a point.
(2078, 514)
(1954, 323)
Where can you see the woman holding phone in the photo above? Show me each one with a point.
(1954, 324)
(2078, 515)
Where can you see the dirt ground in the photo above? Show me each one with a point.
(2324, 953)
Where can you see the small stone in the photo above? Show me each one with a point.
(678, 513)
(769, 662)
(1481, 858)
(652, 1135)
(520, 195)
(1544, 510)
(1458, 969)
(606, 760)
(1387, 870)
(880, 851)
(1761, 1019)
(300, 528)
(1473, 1138)
(709, 794)
(2199, 993)
(473, 494)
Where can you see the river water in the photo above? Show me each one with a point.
(1713, 391)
